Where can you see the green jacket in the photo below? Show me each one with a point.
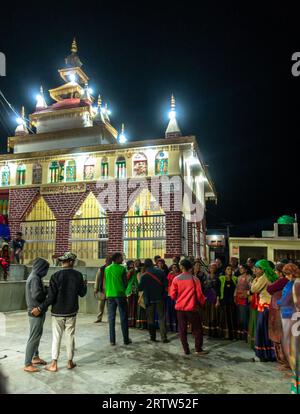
(222, 280)
(115, 281)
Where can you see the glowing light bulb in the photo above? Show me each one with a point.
(72, 77)
(172, 114)
(108, 112)
(39, 101)
(122, 138)
(91, 91)
(19, 120)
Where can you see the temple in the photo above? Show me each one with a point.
(67, 155)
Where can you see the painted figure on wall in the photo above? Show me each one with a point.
(71, 171)
(161, 163)
(37, 174)
(5, 176)
(140, 165)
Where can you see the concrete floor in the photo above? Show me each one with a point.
(142, 367)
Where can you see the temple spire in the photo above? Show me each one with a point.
(106, 112)
(40, 100)
(122, 137)
(73, 61)
(74, 46)
(99, 118)
(99, 102)
(173, 129)
(21, 128)
(86, 92)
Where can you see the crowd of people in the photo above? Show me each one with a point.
(255, 302)
(11, 251)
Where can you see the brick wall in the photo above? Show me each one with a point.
(64, 206)
(173, 234)
(21, 201)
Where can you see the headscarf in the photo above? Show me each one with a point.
(265, 266)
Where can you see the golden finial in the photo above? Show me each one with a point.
(172, 103)
(74, 46)
(122, 129)
(23, 113)
(99, 101)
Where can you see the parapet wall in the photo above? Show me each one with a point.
(12, 292)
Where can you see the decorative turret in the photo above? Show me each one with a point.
(73, 61)
(122, 137)
(173, 129)
(86, 93)
(40, 101)
(99, 118)
(73, 72)
(21, 128)
(106, 112)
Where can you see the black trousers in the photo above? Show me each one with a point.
(161, 310)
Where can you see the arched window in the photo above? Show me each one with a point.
(37, 174)
(140, 165)
(71, 171)
(89, 169)
(104, 168)
(57, 171)
(21, 175)
(161, 163)
(121, 167)
(5, 175)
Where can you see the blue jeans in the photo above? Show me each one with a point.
(121, 303)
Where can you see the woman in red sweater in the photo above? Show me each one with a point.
(186, 291)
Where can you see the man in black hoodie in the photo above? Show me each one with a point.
(64, 288)
(35, 296)
(154, 284)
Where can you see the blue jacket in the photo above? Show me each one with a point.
(286, 303)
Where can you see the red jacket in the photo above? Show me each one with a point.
(183, 292)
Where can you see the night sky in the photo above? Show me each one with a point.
(229, 68)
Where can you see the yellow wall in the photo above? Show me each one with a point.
(39, 236)
(80, 160)
(271, 244)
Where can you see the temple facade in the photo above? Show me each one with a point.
(71, 181)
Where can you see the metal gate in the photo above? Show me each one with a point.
(40, 239)
(89, 237)
(144, 236)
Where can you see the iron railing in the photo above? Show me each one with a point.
(89, 229)
(147, 227)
